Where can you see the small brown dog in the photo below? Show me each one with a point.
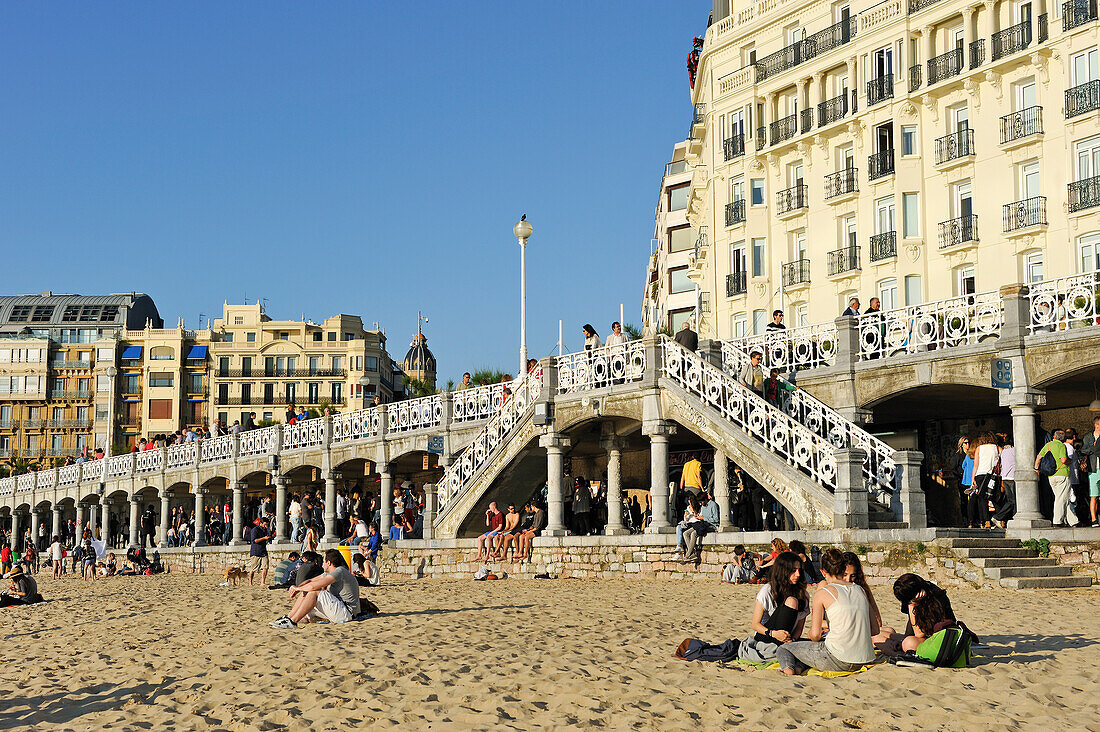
(235, 575)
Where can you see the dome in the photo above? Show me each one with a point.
(419, 358)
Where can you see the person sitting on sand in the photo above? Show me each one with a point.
(536, 527)
(111, 566)
(848, 647)
(782, 607)
(494, 519)
(778, 547)
(507, 534)
(928, 615)
(809, 571)
(854, 573)
(908, 589)
(745, 568)
(23, 590)
(283, 576)
(333, 596)
(692, 514)
(511, 541)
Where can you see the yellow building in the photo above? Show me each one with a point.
(910, 150)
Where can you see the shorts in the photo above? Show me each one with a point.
(490, 534)
(256, 564)
(1094, 485)
(329, 607)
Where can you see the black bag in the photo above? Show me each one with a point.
(1048, 466)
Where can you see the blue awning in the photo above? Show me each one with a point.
(197, 399)
(132, 353)
(197, 353)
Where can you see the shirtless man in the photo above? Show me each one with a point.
(508, 534)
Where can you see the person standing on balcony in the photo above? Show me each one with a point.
(591, 338)
(853, 308)
(777, 321)
(687, 338)
(617, 337)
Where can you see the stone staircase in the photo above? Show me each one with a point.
(880, 516)
(1011, 565)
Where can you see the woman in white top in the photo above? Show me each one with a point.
(57, 553)
(848, 646)
(985, 460)
(591, 338)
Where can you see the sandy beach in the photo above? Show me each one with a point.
(177, 651)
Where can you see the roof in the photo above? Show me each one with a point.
(419, 358)
(74, 311)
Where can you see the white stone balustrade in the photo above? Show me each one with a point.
(950, 323)
(415, 414)
(357, 425)
(601, 367)
(1065, 302)
(804, 347)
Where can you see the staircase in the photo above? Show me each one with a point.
(1016, 567)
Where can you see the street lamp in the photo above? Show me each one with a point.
(364, 381)
(111, 372)
(522, 230)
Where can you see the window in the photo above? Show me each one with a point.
(845, 157)
(965, 281)
(227, 337)
(349, 336)
(678, 198)
(337, 364)
(1088, 158)
(160, 409)
(759, 321)
(1088, 252)
(908, 140)
(337, 392)
(82, 414)
(314, 364)
(848, 232)
(250, 337)
(20, 314)
(888, 293)
(161, 353)
(739, 325)
(1028, 180)
(680, 239)
(759, 252)
(318, 336)
(58, 414)
(737, 257)
(130, 383)
(331, 336)
(964, 204)
(737, 189)
(105, 354)
(1084, 67)
(314, 393)
(81, 443)
(238, 320)
(269, 393)
(291, 391)
(223, 366)
(246, 393)
(223, 393)
(757, 190)
(678, 281)
(798, 245)
(371, 363)
(1033, 267)
(103, 384)
(1025, 96)
(677, 318)
(284, 336)
(160, 379)
(910, 214)
(246, 366)
(884, 215)
(267, 417)
(194, 383)
(801, 315)
(42, 314)
(913, 294)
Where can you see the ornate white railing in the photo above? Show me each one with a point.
(356, 425)
(7, 486)
(149, 461)
(771, 426)
(44, 479)
(950, 323)
(25, 483)
(1066, 302)
(257, 442)
(600, 367)
(180, 456)
(804, 347)
(415, 414)
(119, 465)
(310, 433)
(68, 475)
(459, 475)
(478, 403)
(92, 470)
(213, 449)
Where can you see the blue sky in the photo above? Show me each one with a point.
(365, 158)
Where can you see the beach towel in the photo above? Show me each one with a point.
(811, 672)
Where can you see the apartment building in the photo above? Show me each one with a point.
(911, 150)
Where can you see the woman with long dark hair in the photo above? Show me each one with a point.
(985, 460)
(781, 609)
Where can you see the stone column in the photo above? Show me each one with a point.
(929, 36)
(165, 504)
(850, 497)
(722, 490)
(280, 510)
(659, 433)
(556, 446)
(94, 517)
(385, 501)
(238, 513)
(429, 511)
(15, 528)
(330, 536)
(200, 522)
(853, 79)
(1027, 480)
(968, 34)
(914, 511)
(135, 523)
(614, 447)
(817, 87)
(56, 521)
(990, 21)
(34, 527)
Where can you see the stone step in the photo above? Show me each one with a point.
(996, 552)
(982, 543)
(1004, 572)
(1046, 583)
(1014, 562)
(872, 524)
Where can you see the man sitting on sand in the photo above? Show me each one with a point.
(746, 567)
(511, 528)
(334, 596)
(284, 572)
(23, 590)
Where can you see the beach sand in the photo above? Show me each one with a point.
(179, 652)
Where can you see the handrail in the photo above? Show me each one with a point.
(930, 326)
(600, 367)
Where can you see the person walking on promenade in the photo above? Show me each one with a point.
(591, 337)
(1090, 450)
(852, 309)
(777, 321)
(617, 337)
(1059, 479)
(752, 375)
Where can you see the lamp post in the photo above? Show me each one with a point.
(111, 372)
(522, 230)
(364, 382)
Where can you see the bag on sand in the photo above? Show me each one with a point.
(947, 648)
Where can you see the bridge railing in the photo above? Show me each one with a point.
(179, 456)
(307, 433)
(804, 347)
(415, 414)
(7, 486)
(1065, 302)
(213, 449)
(357, 425)
(148, 461)
(256, 442)
(481, 402)
(601, 367)
(956, 321)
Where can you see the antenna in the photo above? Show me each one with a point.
(201, 316)
(420, 318)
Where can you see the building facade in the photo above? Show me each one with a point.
(910, 150)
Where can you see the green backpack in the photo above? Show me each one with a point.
(947, 648)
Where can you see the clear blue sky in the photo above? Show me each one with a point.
(357, 157)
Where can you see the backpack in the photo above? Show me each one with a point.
(1048, 466)
(947, 648)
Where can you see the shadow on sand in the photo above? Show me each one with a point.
(69, 705)
(1024, 648)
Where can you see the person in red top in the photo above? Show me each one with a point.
(494, 519)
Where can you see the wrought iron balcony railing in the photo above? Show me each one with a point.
(796, 272)
(1022, 124)
(780, 61)
(843, 260)
(841, 182)
(69, 394)
(832, 37)
(733, 147)
(1082, 98)
(880, 89)
(9, 424)
(831, 110)
(914, 78)
(791, 199)
(698, 116)
(954, 146)
(69, 423)
(65, 364)
(959, 230)
(807, 116)
(916, 5)
(759, 138)
(880, 164)
(735, 212)
(783, 129)
(1022, 214)
(736, 284)
(810, 47)
(977, 53)
(884, 246)
(1077, 12)
(1084, 194)
(1011, 40)
(276, 373)
(945, 66)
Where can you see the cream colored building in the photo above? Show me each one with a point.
(912, 150)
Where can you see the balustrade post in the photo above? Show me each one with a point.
(445, 426)
(135, 515)
(614, 446)
(555, 445)
(914, 511)
(200, 519)
(722, 491)
(165, 504)
(238, 513)
(385, 500)
(658, 431)
(1024, 419)
(847, 356)
(653, 361)
(280, 510)
(850, 509)
(1017, 316)
(711, 352)
(428, 521)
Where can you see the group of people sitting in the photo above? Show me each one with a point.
(510, 534)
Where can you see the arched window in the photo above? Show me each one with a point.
(162, 353)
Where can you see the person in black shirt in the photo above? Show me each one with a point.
(687, 338)
(257, 552)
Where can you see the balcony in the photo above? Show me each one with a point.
(1082, 98)
(884, 246)
(832, 37)
(914, 78)
(1018, 125)
(807, 116)
(9, 424)
(1011, 40)
(736, 284)
(843, 260)
(1044, 30)
(796, 273)
(918, 5)
(958, 231)
(1025, 214)
(60, 451)
(783, 129)
(66, 394)
(274, 373)
(955, 146)
(780, 61)
(880, 164)
(945, 66)
(698, 117)
(733, 147)
(831, 110)
(63, 364)
(1076, 13)
(841, 183)
(1083, 194)
(33, 424)
(59, 424)
(735, 212)
(977, 53)
(880, 89)
(791, 200)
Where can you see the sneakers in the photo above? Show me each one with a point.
(284, 623)
(677, 557)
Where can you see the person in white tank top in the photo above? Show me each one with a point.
(848, 645)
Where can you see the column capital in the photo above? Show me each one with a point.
(554, 441)
(612, 442)
(240, 485)
(659, 428)
(926, 30)
(1022, 398)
